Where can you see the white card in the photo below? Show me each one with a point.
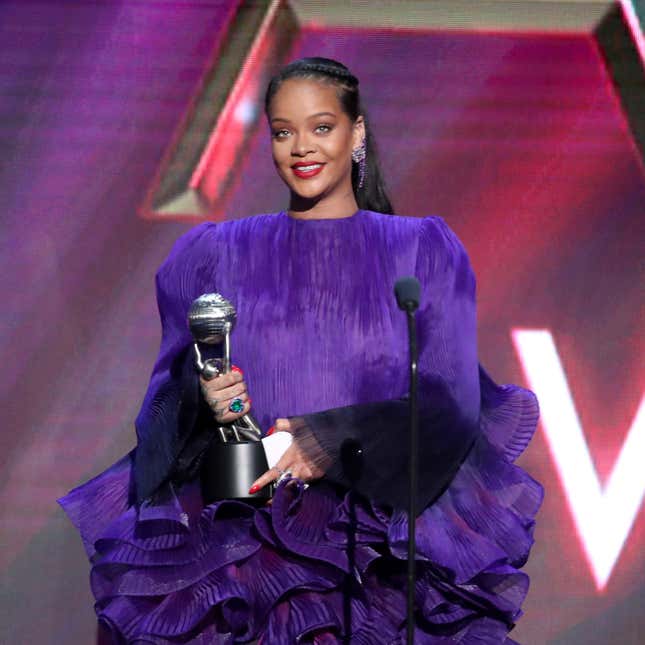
(275, 445)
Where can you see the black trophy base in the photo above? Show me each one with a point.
(229, 469)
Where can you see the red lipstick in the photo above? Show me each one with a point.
(305, 170)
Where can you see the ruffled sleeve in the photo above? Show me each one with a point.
(449, 392)
(166, 422)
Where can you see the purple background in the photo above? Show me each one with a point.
(517, 141)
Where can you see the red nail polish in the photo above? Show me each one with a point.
(270, 431)
(254, 489)
(235, 368)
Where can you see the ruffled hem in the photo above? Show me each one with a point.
(319, 564)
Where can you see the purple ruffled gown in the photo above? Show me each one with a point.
(319, 336)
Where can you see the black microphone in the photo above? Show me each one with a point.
(408, 291)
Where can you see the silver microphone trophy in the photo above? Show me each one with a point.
(231, 464)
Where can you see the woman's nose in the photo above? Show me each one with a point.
(301, 145)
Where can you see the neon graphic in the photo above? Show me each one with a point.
(603, 516)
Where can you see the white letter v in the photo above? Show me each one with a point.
(603, 518)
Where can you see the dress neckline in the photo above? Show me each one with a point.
(353, 216)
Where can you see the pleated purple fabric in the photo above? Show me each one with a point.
(318, 329)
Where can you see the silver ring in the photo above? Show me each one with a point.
(284, 474)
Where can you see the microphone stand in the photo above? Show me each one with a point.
(351, 457)
(414, 471)
(407, 292)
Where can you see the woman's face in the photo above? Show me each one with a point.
(312, 139)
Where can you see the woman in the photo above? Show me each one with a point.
(324, 353)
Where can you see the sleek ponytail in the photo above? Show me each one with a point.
(372, 195)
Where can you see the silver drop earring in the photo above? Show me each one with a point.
(358, 155)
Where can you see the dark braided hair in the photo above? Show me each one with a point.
(372, 196)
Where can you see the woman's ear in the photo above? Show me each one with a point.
(359, 132)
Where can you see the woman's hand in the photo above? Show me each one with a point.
(293, 461)
(222, 390)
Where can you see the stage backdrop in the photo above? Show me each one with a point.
(519, 140)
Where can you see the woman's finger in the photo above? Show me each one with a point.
(285, 464)
(224, 391)
(264, 480)
(223, 398)
(282, 425)
(230, 410)
(222, 381)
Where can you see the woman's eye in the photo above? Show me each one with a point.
(281, 134)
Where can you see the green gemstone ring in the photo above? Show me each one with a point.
(236, 405)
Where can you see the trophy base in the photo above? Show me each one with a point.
(229, 469)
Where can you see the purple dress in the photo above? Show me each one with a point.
(319, 336)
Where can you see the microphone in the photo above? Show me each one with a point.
(407, 292)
